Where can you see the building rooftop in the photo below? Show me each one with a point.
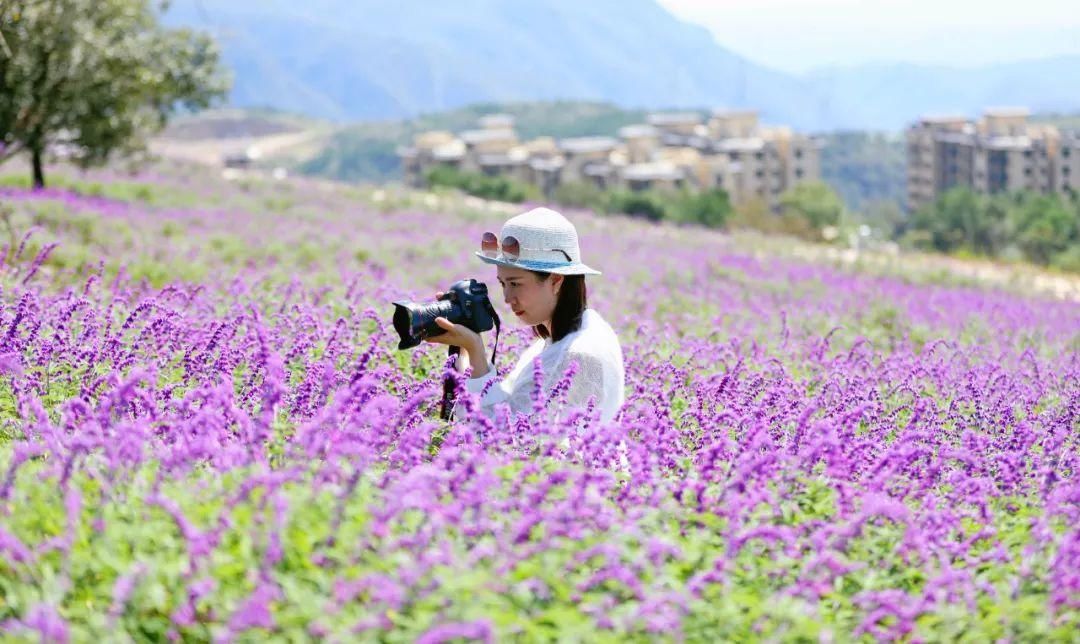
(432, 138)
(723, 113)
(956, 137)
(936, 119)
(741, 145)
(1006, 142)
(656, 170)
(541, 145)
(674, 118)
(1008, 112)
(597, 169)
(581, 144)
(471, 137)
(546, 165)
(637, 131)
(673, 139)
(500, 159)
(449, 151)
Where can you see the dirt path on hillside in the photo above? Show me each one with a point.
(295, 145)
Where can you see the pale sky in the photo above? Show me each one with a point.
(794, 35)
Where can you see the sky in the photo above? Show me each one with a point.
(797, 35)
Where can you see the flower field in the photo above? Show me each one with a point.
(207, 434)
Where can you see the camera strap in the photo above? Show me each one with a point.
(498, 327)
(446, 413)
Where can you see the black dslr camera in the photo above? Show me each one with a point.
(465, 303)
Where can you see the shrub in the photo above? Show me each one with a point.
(647, 205)
(479, 185)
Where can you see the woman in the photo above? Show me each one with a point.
(543, 281)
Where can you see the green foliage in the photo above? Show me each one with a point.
(645, 204)
(95, 76)
(814, 203)
(710, 208)
(1064, 121)
(1040, 228)
(479, 185)
(546, 595)
(355, 156)
(865, 167)
(1044, 228)
(883, 216)
(581, 195)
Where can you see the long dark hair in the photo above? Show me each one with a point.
(572, 302)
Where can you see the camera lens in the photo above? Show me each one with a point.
(414, 322)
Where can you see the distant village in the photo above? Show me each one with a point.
(730, 150)
(1002, 151)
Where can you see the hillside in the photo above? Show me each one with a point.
(349, 60)
(366, 151)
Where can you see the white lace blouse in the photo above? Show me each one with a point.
(596, 350)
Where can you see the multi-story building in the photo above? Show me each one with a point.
(676, 123)
(1002, 152)
(939, 157)
(430, 149)
(672, 151)
(1067, 170)
(587, 158)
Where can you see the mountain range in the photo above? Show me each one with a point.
(369, 60)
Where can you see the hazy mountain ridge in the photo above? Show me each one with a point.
(374, 61)
(364, 60)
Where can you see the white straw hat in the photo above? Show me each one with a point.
(548, 243)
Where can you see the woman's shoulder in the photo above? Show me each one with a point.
(595, 337)
(592, 323)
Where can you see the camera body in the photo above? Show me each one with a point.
(465, 302)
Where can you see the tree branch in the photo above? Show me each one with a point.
(4, 46)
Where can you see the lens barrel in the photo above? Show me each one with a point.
(416, 321)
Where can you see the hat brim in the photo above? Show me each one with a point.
(543, 267)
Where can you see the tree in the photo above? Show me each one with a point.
(885, 217)
(580, 194)
(950, 221)
(710, 208)
(1045, 227)
(645, 204)
(812, 203)
(481, 185)
(95, 77)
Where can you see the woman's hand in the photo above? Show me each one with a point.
(459, 335)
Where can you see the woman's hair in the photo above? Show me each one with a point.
(572, 302)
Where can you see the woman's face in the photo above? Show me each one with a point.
(531, 299)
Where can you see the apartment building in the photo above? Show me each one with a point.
(939, 156)
(1067, 169)
(429, 149)
(1001, 152)
(671, 151)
